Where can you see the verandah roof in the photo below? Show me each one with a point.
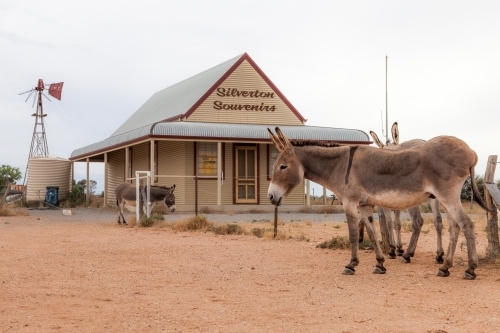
(220, 132)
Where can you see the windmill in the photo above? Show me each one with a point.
(39, 146)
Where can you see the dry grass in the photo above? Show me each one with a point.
(160, 208)
(5, 210)
(337, 242)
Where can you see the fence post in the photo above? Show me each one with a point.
(492, 217)
(275, 221)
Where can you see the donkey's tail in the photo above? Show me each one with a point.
(477, 195)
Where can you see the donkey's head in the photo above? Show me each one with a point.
(288, 172)
(170, 198)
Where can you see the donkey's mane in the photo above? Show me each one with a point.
(302, 143)
(161, 187)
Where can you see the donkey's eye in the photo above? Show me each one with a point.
(283, 167)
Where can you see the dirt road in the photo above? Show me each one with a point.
(85, 273)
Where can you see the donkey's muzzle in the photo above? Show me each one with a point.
(275, 201)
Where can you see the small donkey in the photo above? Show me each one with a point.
(414, 212)
(125, 194)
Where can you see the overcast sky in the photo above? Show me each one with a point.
(326, 57)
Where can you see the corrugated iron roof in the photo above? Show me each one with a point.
(222, 132)
(176, 99)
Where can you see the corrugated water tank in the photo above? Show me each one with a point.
(46, 171)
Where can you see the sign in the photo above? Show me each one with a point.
(258, 95)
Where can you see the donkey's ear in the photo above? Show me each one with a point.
(285, 142)
(376, 139)
(275, 140)
(395, 133)
(172, 189)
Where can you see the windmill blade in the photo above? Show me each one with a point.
(46, 97)
(31, 92)
(34, 99)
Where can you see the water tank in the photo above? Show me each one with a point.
(47, 171)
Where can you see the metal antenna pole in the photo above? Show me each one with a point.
(386, 107)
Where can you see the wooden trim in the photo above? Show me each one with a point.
(257, 173)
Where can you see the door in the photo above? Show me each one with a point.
(246, 174)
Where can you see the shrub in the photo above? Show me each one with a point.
(5, 210)
(150, 221)
(227, 229)
(337, 242)
(342, 242)
(75, 198)
(194, 223)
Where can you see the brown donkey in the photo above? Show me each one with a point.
(125, 195)
(416, 217)
(364, 176)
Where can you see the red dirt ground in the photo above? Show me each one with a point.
(61, 274)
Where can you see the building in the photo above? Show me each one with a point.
(214, 126)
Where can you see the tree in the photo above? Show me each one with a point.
(9, 174)
(92, 186)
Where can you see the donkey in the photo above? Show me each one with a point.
(125, 194)
(365, 176)
(417, 220)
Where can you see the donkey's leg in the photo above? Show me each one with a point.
(438, 224)
(397, 228)
(390, 230)
(367, 213)
(417, 223)
(467, 226)
(452, 245)
(361, 228)
(122, 206)
(118, 204)
(352, 223)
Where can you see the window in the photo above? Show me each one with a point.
(272, 156)
(207, 159)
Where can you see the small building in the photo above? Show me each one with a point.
(213, 126)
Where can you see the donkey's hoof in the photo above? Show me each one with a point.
(400, 252)
(348, 271)
(469, 276)
(443, 273)
(406, 258)
(379, 270)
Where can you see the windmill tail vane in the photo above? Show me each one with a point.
(55, 89)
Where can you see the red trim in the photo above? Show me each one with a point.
(260, 72)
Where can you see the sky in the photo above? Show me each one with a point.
(327, 57)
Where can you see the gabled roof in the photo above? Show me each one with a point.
(181, 100)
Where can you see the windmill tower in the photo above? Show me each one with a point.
(39, 161)
(39, 146)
